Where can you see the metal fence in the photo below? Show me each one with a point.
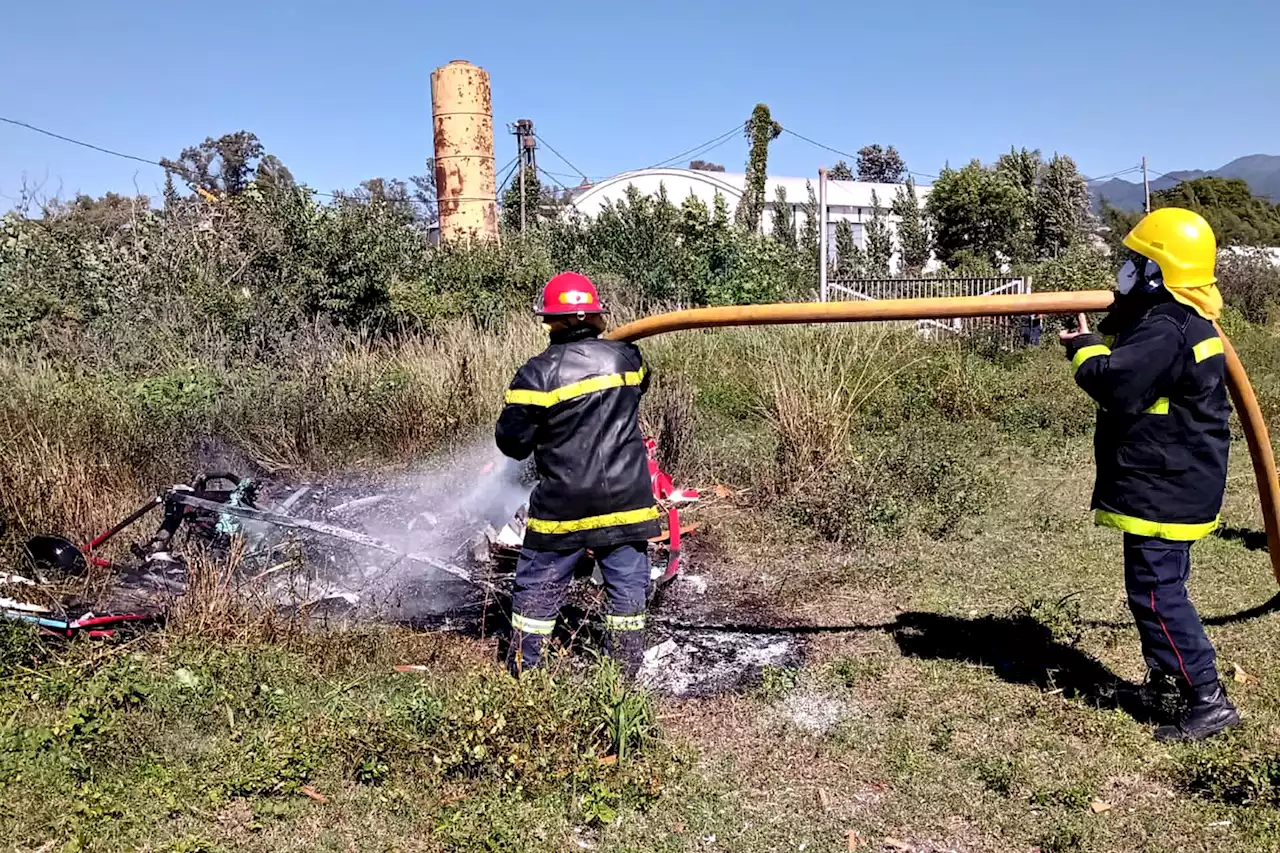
(1010, 331)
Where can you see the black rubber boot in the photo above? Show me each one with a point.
(1209, 712)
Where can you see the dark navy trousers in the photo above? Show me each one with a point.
(542, 579)
(1173, 638)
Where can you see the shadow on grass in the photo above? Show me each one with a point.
(1019, 650)
(1253, 540)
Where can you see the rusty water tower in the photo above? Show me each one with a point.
(462, 119)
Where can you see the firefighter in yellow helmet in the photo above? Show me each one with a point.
(1157, 372)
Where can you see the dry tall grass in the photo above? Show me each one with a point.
(778, 408)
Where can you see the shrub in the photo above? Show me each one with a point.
(928, 479)
(1250, 283)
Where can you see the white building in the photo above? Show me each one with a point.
(846, 200)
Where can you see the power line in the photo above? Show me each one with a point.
(79, 142)
(853, 157)
(563, 159)
(553, 178)
(1115, 174)
(134, 157)
(724, 137)
(707, 149)
(509, 166)
(1177, 182)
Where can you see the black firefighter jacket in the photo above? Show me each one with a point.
(575, 407)
(1162, 437)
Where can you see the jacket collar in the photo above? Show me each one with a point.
(1129, 309)
(575, 334)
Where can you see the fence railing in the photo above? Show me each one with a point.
(1007, 329)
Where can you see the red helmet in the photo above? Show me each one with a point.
(569, 293)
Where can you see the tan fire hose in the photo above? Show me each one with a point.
(1246, 403)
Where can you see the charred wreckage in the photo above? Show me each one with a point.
(399, 553)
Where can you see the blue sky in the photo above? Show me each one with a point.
(339, 90)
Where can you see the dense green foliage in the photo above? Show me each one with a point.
(129, 752)
(840, 172)
(880, 165)
(913, 230)
(760, 129)
(1237, 217)
(1021, 209)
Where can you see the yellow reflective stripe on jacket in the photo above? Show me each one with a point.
(576, 389)
(1159, 529)
(625, 623)
(1159, 407)
(595, 522)
(1089, 352)
(529, 625)
(1207, 348)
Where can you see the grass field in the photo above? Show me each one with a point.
(926, 507)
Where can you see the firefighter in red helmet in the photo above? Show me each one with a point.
(575, 408)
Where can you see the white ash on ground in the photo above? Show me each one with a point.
(814, 711)
(690, 662)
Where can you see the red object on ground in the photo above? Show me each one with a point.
(665, 492)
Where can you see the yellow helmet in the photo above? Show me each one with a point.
(1181, 242)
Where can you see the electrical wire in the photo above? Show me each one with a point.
(574, 176)
(1180, 181)
(134, 157)
(563, 159)
(554, 180)
(724, 137)
(853, 157)
(707, 149)
(81, 143)
(1127, 171)
(511, 166)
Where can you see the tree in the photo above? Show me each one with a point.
(761, 129)
(840, 172)
(424, 194)
(272, 174)
(880, 165)
(810, 234)
(1022, 170)
(532, 200)
(849, 257)
(1061, 207)
(221, 166)
(170, 191)
(879, 241)
(1116, 223)
(784, 224)
(913, 236)
(975, 210)
(705, 166)
(1236, 216)
(390, 196)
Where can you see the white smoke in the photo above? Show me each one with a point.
(436, 512)
(457, 496)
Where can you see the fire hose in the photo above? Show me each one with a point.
(1246, 403)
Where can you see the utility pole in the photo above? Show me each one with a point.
(822, 234)
(1146, 188)
(526, 158)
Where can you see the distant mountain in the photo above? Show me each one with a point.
(1260, 171)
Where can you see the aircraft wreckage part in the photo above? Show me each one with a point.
(323, 529)
(1246, 403)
